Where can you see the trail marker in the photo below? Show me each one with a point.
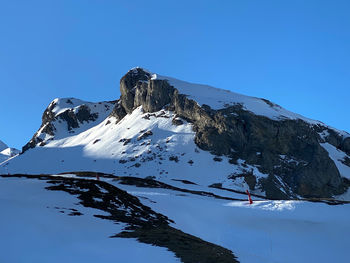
(249, 197)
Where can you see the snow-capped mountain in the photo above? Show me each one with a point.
(7, 152)
(160, 175)
(168, 129)
(3, 146)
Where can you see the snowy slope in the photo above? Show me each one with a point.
(221, 98)
(125, 149)
(83, 136)
(36, 228)
(267, 231)
(8, 153)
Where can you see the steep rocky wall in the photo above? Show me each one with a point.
(288, 151)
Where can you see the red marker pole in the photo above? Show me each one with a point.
(97, 177)
(249, 197)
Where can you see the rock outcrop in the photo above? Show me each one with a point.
(287, 157)
(288, 151)
(70, 113)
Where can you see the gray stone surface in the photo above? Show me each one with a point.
(304, 168)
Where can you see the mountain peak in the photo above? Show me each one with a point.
(173, 128)
(6, 152)
(3, 146)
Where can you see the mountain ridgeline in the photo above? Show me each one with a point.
(296, 156)
(306, 169)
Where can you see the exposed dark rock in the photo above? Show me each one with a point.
(128, 85)
(141, 221)
(31, 144)
(346, 161)
(49, 129)
(177, 121)
(345, 145)
(189, 248)
(216, 185)
(285, 150)
(73, 119)
(95, 141)
(184, 181)
(145, 135)
(75, 214)
(174, 158)
(118, 111)
(84, 114)
(69, 116)
(125, 141)
(249, 178)
(146, 117)
(138, 89)
(238, 134)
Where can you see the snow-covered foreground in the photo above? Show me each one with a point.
(267, 231)
(36, 226)
(32, 229)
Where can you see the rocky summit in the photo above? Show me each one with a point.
(176, 172)
(167, 129)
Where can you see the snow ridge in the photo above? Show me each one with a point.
(220, 98)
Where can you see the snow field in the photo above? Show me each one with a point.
(33, 230)
(267, 231)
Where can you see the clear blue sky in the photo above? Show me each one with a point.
(293, 52)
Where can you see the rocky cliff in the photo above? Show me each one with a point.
(288, 150)
(251, 142)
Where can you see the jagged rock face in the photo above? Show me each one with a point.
(288, 151)
(284, 157)
(137, 88)
(128, 86)
(74, 114)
